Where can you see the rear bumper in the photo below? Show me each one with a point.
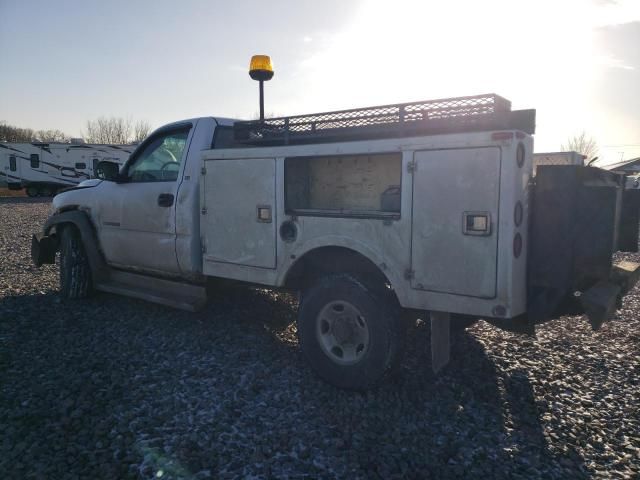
(600, 301)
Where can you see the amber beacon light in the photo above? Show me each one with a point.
(260, 69)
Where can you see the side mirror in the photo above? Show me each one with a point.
(108, 171)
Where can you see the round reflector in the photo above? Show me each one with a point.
(517, 245)
(520, 154)
(517, 214)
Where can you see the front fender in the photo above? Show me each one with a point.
(44, 245)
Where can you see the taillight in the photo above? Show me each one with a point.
(517, 214)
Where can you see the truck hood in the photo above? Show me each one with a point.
(66, 197)
(93, 182)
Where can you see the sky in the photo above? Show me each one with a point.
(577, 62)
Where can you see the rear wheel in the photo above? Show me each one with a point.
(75, 272)
(32, 191)
(349, 335)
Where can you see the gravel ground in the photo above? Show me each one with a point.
(119, 388)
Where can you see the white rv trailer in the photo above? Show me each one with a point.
(44, 168)
(557, 158)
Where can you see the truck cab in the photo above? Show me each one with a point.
(147, 219)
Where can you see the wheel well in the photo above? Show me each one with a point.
(331, 260)
(56, 229)
(80, 220)
(68, 208)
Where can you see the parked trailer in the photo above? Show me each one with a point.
(557, 158)
(44, 168)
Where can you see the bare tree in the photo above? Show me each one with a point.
(116, 130)
(582, 143)
(51, 136)
(141, 130)
(11, 133)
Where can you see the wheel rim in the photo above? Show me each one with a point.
(342, 332)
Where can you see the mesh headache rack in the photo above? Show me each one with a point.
(430, 117)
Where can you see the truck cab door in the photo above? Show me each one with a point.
(137, 216)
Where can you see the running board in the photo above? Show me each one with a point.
(183, 296)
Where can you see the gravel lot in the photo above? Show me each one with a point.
(119, 388)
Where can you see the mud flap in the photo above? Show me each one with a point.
(43, 249)
(440, 340)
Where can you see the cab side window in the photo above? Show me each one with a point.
(160, 159)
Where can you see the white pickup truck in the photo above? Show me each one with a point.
(425, 206)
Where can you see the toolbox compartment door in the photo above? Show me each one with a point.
(450, 188)
(238, 215)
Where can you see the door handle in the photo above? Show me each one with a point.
(165, 200)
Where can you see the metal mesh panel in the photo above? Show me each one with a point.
(456, 112)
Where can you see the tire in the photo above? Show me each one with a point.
(75, 272)
(32, 191)
(350, 336)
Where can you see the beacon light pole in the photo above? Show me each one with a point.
(260, 69)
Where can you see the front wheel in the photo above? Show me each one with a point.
(75, 272)
(350, 335)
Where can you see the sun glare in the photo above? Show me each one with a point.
(539, 54)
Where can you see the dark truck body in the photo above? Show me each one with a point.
(580, 216)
